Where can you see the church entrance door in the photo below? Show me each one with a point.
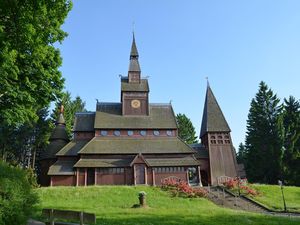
(140, 173)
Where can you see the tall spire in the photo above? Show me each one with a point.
(61, 120)
(134, 52)
(134, 71)
(213, 119)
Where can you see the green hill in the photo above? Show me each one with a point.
(112, 206)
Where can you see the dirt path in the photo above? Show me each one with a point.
(34, 222)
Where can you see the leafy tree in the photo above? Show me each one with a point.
(264, 137)
(241, 153)
(17, 198)
(29, 62)
(186, 130)
(291, 157)
(70, 108)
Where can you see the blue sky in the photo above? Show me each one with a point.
(236, 44)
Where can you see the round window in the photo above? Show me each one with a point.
(156, 133)
(143, 133)
(169, 133)
(103, 133)
(117, 133)
(130, 133)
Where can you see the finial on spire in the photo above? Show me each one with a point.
(62, 108)
(207, 81)
(134, 52)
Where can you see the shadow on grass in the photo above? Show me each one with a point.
(256, 219)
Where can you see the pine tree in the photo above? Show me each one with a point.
(291, 158)
(264, 137)
(241, 154)
(186, 130)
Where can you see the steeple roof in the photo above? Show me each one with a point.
(134, 65)
(134, 52)
(213, 119)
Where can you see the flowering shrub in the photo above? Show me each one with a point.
(237, 184)
(182, 188)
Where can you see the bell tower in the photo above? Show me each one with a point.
(215, 136)
(134, 89)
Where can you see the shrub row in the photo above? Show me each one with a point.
(183, 189)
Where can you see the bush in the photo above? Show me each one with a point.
(240, 185)
(182, 188)
(17, 198)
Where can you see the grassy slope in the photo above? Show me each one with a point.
(271, 197)
(112, 205)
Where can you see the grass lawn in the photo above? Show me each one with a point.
(271, 197)
(112, 206)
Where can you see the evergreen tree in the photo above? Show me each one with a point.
(264, 137)
(241, 154)
(70, 108)
(291, 158)
(186, 130)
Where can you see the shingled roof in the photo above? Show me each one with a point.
(134, 87)
(179, 161)
(122, 145)
(62, 167)
(109, 116)
(121, 162)
(84, 121)
(72, 148)
(213, 119)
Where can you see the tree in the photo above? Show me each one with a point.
(29, 63)
(264, 137)
(70, 108)
(241, 154)
(186, 130)
(291, 157)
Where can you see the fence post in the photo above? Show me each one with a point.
(81, 218)
(51, 217)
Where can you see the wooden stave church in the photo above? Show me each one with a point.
(136, 143)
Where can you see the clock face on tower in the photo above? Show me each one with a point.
(135, 104)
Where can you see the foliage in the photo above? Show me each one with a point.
(264, 138)
(70, 108)
(186, 130)
(291, 157)
(271, 197)
(182, 188)
(241, 153)
(240, 186)
(112, 205)
(21, 145)
(29, 62)
(17, 198)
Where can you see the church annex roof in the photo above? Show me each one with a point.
(62, 167)
(72, 148)
(109, 116)
(147, 145)
(84, 121)
(213, 119)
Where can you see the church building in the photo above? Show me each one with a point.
(134, 142)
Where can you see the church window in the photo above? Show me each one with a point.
(130, 133)
(227, 136)
(213, 137)
(213, 142)
(117, 133)
(227, 141)
(220, 142)
(143, 132)
(103, 132)
(156, 133)
(220, 137)
(169, 133)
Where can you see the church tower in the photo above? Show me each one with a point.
(134, 89)
(58, 139)
(215, 136)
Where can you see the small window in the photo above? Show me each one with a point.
(169, 133)
(143, 132)
(130, 133)
(117, 133)
(213, 142)
(220, 137)
(220, 142)
(156, 133)
(103, 132)
(213, 137)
